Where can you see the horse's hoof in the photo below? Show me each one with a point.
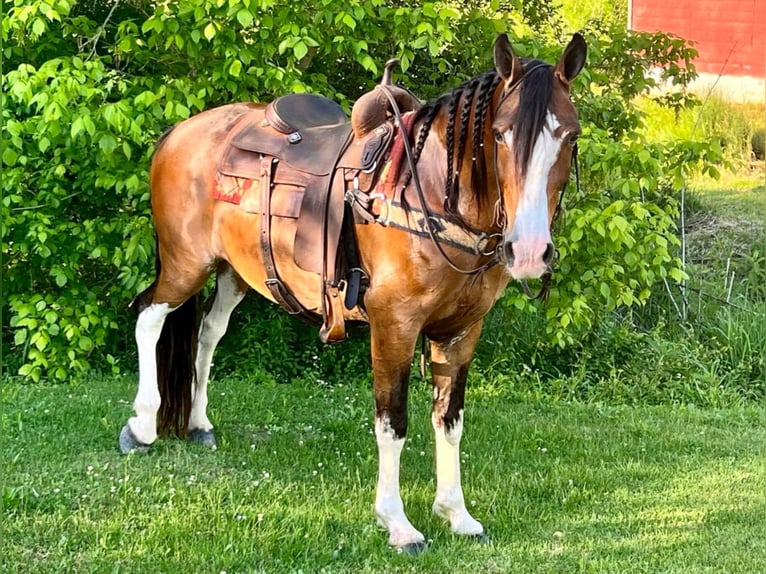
(203, 437)
(480, 539)
(412, 549)
(129, 443)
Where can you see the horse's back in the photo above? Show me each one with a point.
(196, 137)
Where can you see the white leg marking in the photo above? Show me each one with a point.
(388, 502)
(147, 402)
(449, 502)
(213, 327)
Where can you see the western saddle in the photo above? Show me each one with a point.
(300, 162)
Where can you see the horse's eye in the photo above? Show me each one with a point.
(499, 137)
(572, 139)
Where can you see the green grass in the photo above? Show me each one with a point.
(560, 487)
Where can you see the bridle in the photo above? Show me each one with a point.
(496, 256)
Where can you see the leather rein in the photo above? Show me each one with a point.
(432, 233)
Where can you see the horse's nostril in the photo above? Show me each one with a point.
(508, 252)
(548, 255)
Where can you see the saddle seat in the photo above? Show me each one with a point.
(295, 112)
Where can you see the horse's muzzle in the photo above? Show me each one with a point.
(526, 260)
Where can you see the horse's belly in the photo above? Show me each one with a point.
(239, 234)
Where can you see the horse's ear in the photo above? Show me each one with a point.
(508, 66)
(572, 60)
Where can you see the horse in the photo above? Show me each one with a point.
(488, 160)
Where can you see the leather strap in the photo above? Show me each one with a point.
(278, 290)
(348, 239)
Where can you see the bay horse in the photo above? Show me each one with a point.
(490, 158)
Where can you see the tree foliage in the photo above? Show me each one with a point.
(89, 86)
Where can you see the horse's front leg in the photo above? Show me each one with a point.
(450, 361)
(392, 348)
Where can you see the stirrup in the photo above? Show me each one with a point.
(333, 329)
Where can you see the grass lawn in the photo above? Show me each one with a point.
(559, 487)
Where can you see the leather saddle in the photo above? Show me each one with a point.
(305, 152)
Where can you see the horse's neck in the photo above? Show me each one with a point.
(478, 195)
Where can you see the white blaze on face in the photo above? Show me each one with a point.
(530, 235)
(531, 219)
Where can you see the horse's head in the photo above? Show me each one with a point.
(535, 127)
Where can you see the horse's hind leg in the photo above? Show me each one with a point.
(229, 291)
(141, 429)
(165, 337)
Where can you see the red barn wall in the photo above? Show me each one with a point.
(730, 35)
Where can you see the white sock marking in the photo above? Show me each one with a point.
(388, 502)
(449, 502)
(212, 328)
(147, 402)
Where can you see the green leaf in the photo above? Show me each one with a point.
(349, 21)
(107, 143)
(182, 110)
(38, 27)
(209, 31)
(448, 13)
(77, 127)
(9, 156)
(20, 337)
(300, 50)
(85, 343)
(677, 275)
(420, 42)
(244, 17)
(90, 127)
(235, 68)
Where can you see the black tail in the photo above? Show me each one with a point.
(176, 372)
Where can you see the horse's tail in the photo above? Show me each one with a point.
(176, 372)
(175, 358)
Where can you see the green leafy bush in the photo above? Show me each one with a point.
(86, 92)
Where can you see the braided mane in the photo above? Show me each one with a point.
(466, 108)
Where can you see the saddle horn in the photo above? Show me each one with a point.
(372, 109)
(387, 69)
